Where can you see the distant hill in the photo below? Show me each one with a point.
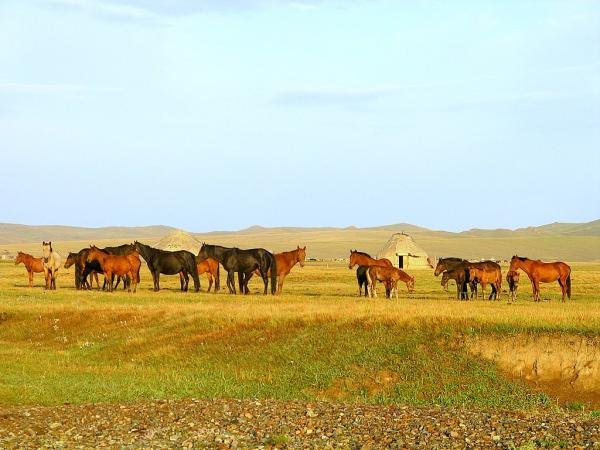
(565, 241)
(14, 233)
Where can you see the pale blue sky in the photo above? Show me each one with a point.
(222, 114)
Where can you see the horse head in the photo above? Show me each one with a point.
(301, 255)
(410, 284)
(351, 260)
(19, 258)
(440, 267)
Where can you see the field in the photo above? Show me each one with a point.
(316, 342)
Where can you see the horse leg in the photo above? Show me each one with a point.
(562, 288)
(181, 280)
(30, 276)
(210, 280)
(280, 283)
(265, 280)
(536, 290)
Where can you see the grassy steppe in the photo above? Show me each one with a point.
(316, 341)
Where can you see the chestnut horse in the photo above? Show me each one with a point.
(79, 260)
(485, 273)
(51, 261)
(364, 259)
(512, 278)
(284, 262)
(539, 271)
(32, 264)
(208, 266)
(116, 265)
(390, 276)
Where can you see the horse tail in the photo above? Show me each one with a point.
(273, 274)
(569, 286)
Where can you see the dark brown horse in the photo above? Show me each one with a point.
(285, 261)
(452, 264)
(390, 277)
(116, 265)
(541, 272)
(512, 278)
(31, 263)
(79, 260)
(459, 276)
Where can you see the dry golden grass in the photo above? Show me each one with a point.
(80, 346)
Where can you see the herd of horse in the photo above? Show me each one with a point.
(122, 264)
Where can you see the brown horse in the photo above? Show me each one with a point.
(210, 267)
(116, 265)
(484, 273)
(364, 259)
(284, 262)
(512, 278)
(459, 276)
(541, 272)
(31, 263)
(390, 277)
(79, 260)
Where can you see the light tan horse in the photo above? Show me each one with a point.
(390, 277)
(32, 264)
(541, 272)
(52, 262)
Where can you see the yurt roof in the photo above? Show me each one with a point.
(179, 240)
(401, 244)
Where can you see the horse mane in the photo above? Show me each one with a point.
(362, 253)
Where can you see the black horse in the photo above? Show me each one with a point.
(94, 266)
(244, 262)
(170, 263)
(361, 278)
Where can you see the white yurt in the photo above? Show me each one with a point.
(404, 252)
(179, 240)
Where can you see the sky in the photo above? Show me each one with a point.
(218, 115)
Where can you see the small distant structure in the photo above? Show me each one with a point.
(5, 255)
(179, 240)
(404, 252)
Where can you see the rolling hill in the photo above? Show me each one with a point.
(565, 241)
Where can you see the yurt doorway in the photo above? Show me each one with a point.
(401, 261)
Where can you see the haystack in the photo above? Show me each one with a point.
(404, 252)
(179, 240)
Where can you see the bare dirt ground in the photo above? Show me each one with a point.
(274, 424)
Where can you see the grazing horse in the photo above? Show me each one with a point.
(364, 259)
(512, 278)
(459, 276)
(116, 265)
(285, 261)
(169, 263)
(211, 268)
(539, 271)
(32, 264)
(244, 262)
(52, 261)
(389, 275)
(484, 273)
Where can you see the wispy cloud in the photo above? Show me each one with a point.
(156, 11)
(50, 88)
(330, 97)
